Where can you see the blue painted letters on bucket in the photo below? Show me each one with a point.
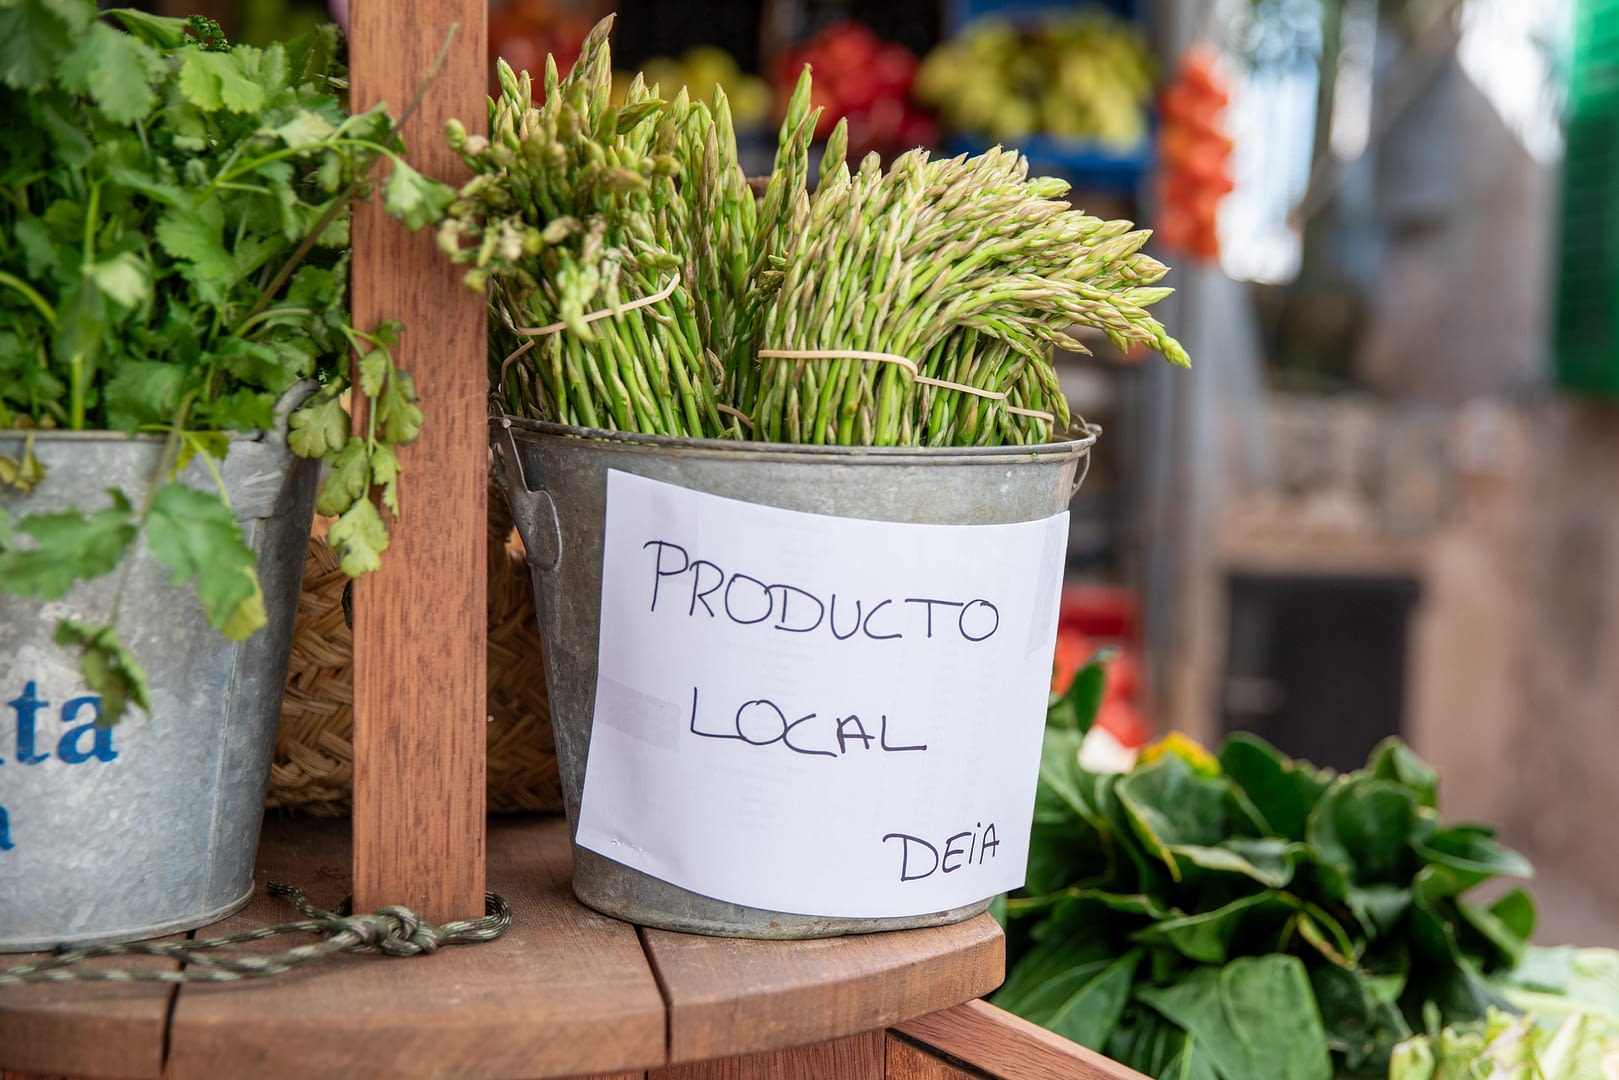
(80, 743)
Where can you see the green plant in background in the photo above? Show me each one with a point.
(173, 259)
(636, 284)
(1243, 915)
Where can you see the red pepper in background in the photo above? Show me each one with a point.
(1194, 155)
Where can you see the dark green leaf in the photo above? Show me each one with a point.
(1516, 910)
(1268, 861)
(69, 546)
(1378, 907)
(1071, 943)
(1507, 944)
(1360, 1024)
(1169, 804)
(196, 536)
(1364, 829)
(1464, 856)
(1256, 1017)
(1077, 707)
(1441, 974)
(1393, 760)
(1206, 936)
(1089, 1015)
(1153, 1046)
(1282, 790)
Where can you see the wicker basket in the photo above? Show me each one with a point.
(314, 759)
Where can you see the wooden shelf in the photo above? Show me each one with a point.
(565, 992)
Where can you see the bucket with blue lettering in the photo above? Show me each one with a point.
(797, 691)
(149, 826)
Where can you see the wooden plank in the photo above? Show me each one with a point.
(564, 992)
(857, 1057)
(908, 1062)
(419, 622)
(1005, 1045)
(728, 996)
(85, 1029)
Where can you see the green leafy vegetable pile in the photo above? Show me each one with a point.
(637, 284)
(1245, 915)
(173, 258)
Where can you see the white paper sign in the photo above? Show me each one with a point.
(818, 715)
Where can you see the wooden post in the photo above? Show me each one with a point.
(419, 623)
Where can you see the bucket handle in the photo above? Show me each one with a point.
(1093, 430)
(533, 510)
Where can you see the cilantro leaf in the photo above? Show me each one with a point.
(34, 34)
(415, 199)
(306, 129)
(144, 392)
(196, 536)
(108, 668)
(115, 69)
(318, 427)
(385, 472)
(123, 278)
(397, 412)
(374, 368)
(195, 234)
(216, 80)
(359, 537)
(69, 546)
(349, 479)
(254, 363)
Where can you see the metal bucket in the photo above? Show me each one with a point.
(555, 478)
(150, 826)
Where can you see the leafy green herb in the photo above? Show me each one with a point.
(173, 258)
(1274, 919)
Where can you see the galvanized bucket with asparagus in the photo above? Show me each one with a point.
(638, 282)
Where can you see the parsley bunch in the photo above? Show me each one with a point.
(174, 258)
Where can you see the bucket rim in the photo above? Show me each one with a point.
(500, 422)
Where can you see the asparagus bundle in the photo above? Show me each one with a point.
(636, 284)
(576, 225)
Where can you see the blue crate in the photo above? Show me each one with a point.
(958, 13)
(1083, 163)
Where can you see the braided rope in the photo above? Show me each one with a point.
(391, 931)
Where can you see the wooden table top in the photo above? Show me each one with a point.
(565, 992)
